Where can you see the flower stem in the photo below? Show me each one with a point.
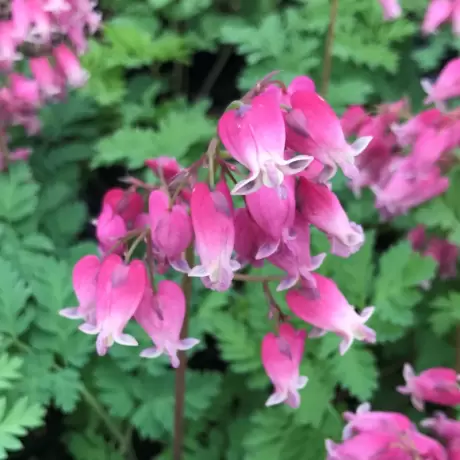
(180, 372)
(327, 61)
(256, 278)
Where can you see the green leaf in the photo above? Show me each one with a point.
(9, 370)
(357, 371)
(397, 289)
(446, 313)
(88, 445)
(18, 193)
(65, 386)
(15, 421)
(15, 317)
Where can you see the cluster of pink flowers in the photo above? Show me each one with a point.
(391, 435)
(406, 163)
(291, 143)
(50, 34)
(437, 13)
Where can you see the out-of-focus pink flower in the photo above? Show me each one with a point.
(294, 257)
(314, 129)
(281, 357)
(47, 78)
(161, 315)
(20, 154)
(365, 420)
(364, 446)
(438, 385)
(332, 312)
(84, 280)
(255, 136)
(119, 291)
(166, 167)
(443, 426)
(171, 230)
(273, 210)
(438, 12)
(126, 203)
(391, 9)
(446, 86)
(69, 65)
(212, 219)
(445, 254)
(321, 207)
(353, 119)
(110, 227)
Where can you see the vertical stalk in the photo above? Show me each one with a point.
(180, 372)
(457, 349)
(327, 60)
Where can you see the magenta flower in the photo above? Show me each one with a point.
(331, 312)
(321, 207)
(438, 385)
(212, 219)
(439, 12)
(281, 357)
(119, 291)
(443, 426)
(255, 136)
(365, 420)
(161, 315)
(248, 238)
(126, 203)
(294, 257)
(171, 230)
(446, 86)
(314, 129)
(48, 79)
(110, 227)
(391, 9)
(273, 211)
(84, 279)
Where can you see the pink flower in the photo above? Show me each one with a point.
(366, 446)
(391, 9)
(438, 385)
(248, 238)
(212, 219)
(365, 421)
(446, 86)
(273, 210)
(126, 203)
(166, 167)
(171, 230)
(321, 207)
(353, 119)
(281, 357)
(69, 65)
(331, 312)
(84, 280)
(294, 257)
(402, 192)
(110, 227)
(438, 12)
(443, 426)
(255, 136)
(47, 78)
(119, 291)
(161, 315)
(445, 254)
(314, 129)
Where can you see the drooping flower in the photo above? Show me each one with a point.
(444, 427)
(321, 207)
(331, 312)
(365, 420)
(171, 230)
(161, 315)
(212, 220)
(110, 227)
(273, 210)
(438, 12)
(314, 129)
(391, 9)
(127, 204)
(84, 280)
(255, 136)
(438, 385)
(294, 257)
(446, 86)
(119, 291)
(281, 357)
(248, 238)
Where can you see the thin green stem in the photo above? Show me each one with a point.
(135, 244)
(327, 61)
